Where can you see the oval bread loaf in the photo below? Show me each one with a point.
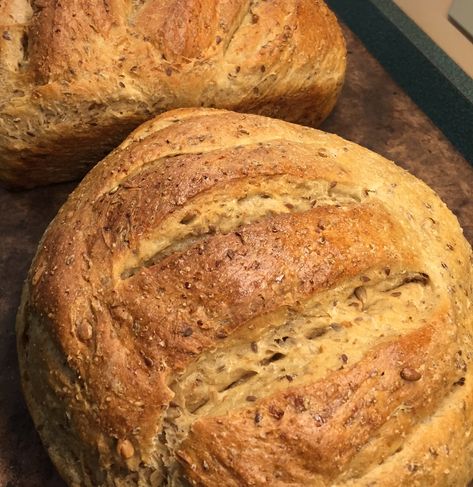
(232, 300)
(77, 76)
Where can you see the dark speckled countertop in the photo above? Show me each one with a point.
(372, 111)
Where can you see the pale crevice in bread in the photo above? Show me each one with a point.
(230, 59)
(200, 147)
(14, 19)
(245, 13)
(226, 208)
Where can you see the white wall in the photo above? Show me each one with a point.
(432, 17)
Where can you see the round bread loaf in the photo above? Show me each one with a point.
(77, 76)
(231, 300)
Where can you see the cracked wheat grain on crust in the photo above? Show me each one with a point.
(76, 77)
(228, 299)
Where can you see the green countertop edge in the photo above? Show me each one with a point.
(435, 82)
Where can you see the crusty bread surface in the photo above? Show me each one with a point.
(77, 76)
(233, 300)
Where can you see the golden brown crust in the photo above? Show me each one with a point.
(77, 76)
(233, 300)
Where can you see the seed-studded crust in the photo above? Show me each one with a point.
(232, 300)
(76, 77)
